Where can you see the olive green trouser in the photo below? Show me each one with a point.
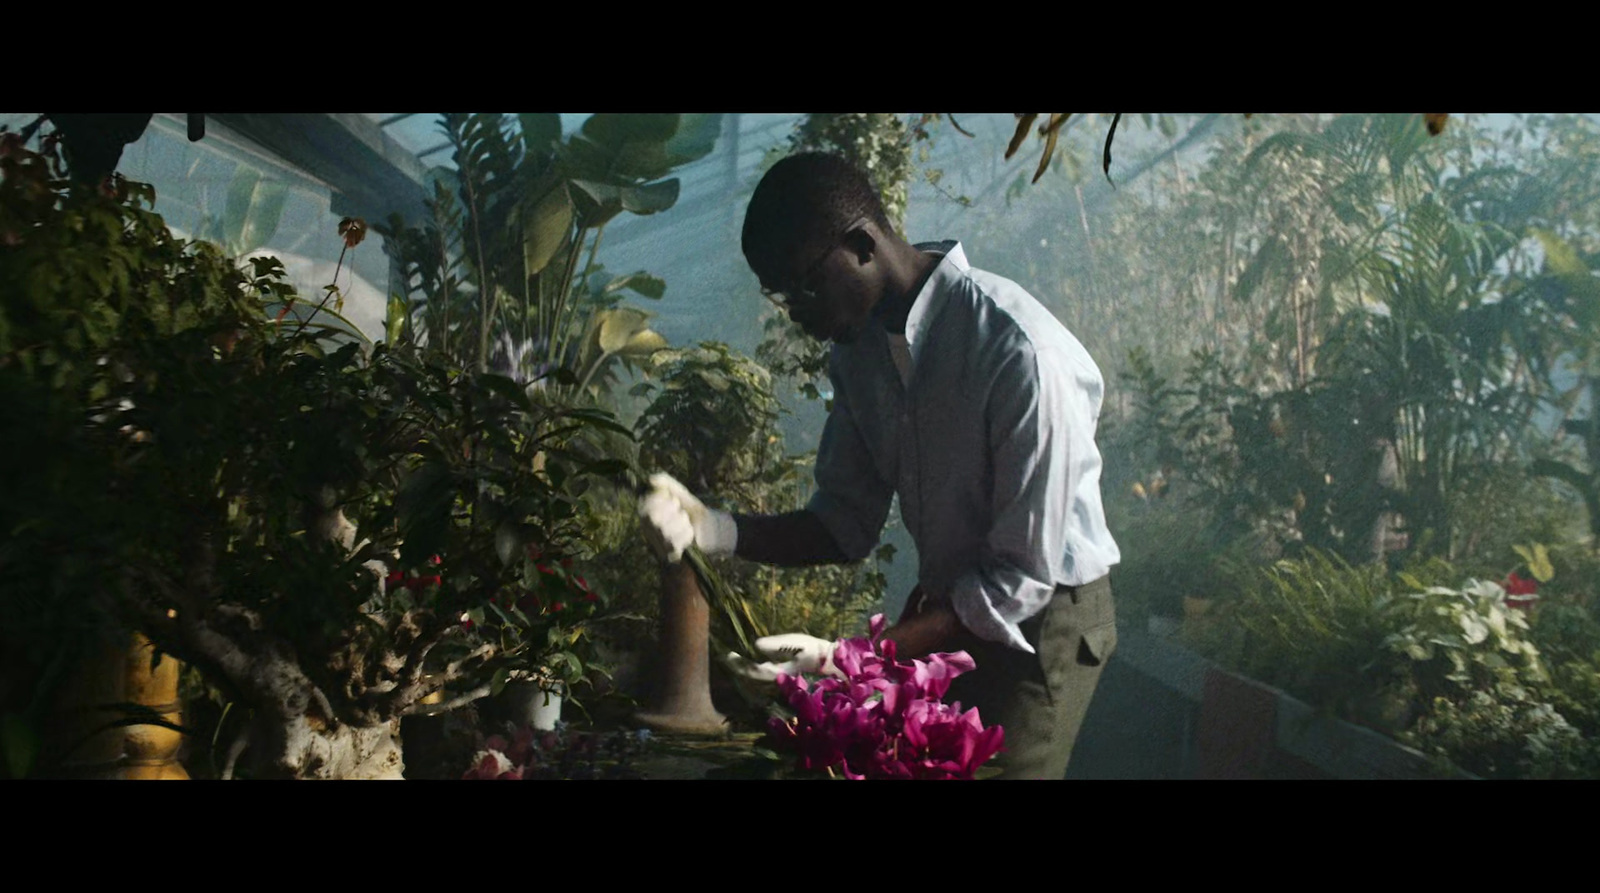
(1040, 699)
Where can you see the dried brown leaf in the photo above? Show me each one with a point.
(1023, 126)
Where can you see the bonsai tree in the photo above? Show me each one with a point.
(193, 470)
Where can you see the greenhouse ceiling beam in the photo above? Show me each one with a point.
(372, 175)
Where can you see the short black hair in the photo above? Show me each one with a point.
(803, 202)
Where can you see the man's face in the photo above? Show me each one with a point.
(828, 294)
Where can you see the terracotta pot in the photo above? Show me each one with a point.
(682, 701)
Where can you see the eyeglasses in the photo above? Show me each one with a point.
(784, 298)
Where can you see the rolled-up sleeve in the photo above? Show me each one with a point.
(1030, 411)
(852, 499)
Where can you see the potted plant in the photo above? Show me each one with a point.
(560, 607)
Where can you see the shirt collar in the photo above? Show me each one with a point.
(928, 301)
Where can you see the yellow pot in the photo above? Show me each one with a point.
(109, 677)
(149, 751)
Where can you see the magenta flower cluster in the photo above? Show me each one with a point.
(885, 719)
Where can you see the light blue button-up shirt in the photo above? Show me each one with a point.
(988, 440)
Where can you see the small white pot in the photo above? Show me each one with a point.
(538, 706)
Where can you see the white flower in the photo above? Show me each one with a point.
(501, 761)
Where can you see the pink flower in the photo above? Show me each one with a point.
(885, 719)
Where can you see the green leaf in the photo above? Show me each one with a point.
(548, 226)
(507, 542)
(394, 324)
(1559, 256)
(643, 283)
(597, 202)
(696, 138)
(505, 617)
(614, 328)
(650, 198)
(541, 130)
(612, 130)
(643, 343)
(497, 683)
(1537, 557)
(508, 389)
(1268, 263)
(240, 192)
(253, 211)
(263, 215)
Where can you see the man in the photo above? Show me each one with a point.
(958, 391)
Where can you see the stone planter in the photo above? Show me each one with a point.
(1239, 728)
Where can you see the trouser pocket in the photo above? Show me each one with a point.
(1079, 634)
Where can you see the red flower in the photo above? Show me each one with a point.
(396, 577)
(436, 561)
(583, 587)
(558, 606)
(353, 229)
(1516, 585)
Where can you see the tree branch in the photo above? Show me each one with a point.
(462, 700)
(453, 669)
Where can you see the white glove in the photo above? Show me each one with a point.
(674, 520)
(792, 653)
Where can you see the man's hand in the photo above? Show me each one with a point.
(674, 520)
(791, 654)
(930, 628)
